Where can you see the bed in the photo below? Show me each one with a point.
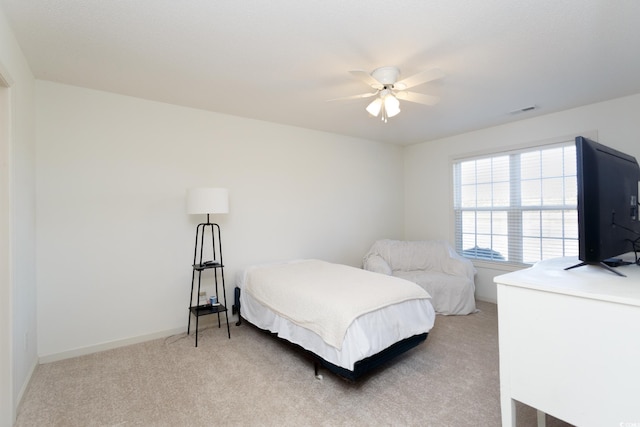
(348, 320)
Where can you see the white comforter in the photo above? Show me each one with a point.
(298, 291)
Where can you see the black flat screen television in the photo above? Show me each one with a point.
(607, 203)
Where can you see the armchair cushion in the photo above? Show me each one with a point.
(434, 265)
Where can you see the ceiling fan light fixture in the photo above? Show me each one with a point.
(386, 103)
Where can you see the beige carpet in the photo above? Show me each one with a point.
(253, 379)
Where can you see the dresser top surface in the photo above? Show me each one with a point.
(588, 281)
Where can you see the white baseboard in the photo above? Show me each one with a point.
(48, 358)
(487, 299)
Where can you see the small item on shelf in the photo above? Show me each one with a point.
(214, 300)
(202, 298)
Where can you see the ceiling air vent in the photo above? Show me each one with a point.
(524, 109)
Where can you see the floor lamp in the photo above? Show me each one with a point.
(207, 201)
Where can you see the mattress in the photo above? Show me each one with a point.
(365, 336)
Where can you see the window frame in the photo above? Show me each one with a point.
(508, 264)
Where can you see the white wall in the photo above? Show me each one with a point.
(114, 242)
(428, 210)
(18, 356)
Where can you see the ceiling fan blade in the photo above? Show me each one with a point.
(360, 96)
(419, 98)
(420, 78)
(366, 78)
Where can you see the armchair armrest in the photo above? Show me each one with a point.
(459, 265)
(376, 264)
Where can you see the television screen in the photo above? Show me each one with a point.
(607, 203)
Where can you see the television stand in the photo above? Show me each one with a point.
(599, 264)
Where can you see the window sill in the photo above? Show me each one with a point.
(498, 265)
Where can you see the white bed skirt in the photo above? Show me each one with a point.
(368, 334)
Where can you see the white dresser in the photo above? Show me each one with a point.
(570, 343)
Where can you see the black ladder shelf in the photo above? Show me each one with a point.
(199, 266)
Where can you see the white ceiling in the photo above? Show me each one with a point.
(280, 60)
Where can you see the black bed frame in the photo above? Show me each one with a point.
(361, 367)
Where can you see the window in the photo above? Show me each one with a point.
(518, 206)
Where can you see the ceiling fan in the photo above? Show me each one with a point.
(388, 90)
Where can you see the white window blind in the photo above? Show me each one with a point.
(518, 206)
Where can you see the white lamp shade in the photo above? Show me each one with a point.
(208, 201)
(391, 105)
(374, 107)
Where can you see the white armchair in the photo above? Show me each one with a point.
(434, 265)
